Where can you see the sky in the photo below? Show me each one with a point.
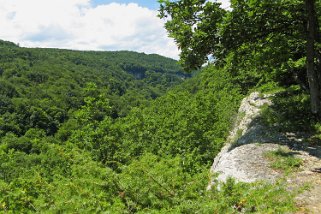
(87, 25)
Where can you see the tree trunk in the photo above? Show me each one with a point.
(319, 71)
(311, 72)
(318, 51)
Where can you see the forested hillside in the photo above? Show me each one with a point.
(78, 128)
(83, 132)
(41, 87)
(125, 132)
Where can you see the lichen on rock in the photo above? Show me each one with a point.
(244, 155)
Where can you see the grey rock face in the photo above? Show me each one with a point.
(243, 156)
(246, 163)
(240, 158)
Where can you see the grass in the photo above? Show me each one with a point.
(284, 160)
(237, 136)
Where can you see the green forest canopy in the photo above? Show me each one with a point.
(257, 40)
(123, 132)
(114, 132)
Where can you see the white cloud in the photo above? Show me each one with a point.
(76, 24)
(224, 3)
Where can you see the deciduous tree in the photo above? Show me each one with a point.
(258, 40)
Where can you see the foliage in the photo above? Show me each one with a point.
(161, 185)
(284, 160)
(257, 41)
(40, 88)
(290, 111)
(58, 179)
(113, 132)
(317, 127)
(194, 25)
(185, 121)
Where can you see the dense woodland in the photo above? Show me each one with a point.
(126, 132)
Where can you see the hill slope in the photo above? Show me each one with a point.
(40, 87)
(96, 132)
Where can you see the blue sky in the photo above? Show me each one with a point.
(151, 4)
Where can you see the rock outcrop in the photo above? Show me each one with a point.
(240, 158)
(243, 157)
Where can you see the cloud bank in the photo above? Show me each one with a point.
(79, 25)
(76, 24)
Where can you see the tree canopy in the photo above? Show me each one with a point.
(116, 132)
(126, 132)
(257, 40)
